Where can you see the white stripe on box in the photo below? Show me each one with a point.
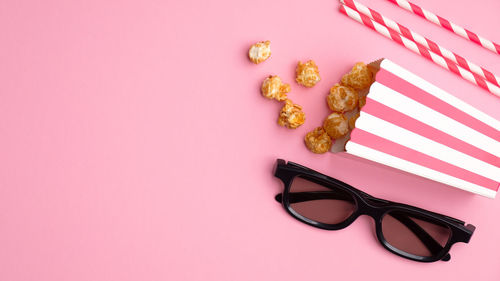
(424, 114)
(389, 131)
(398, 163)
(439, 93)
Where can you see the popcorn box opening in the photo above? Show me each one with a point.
(412, 125)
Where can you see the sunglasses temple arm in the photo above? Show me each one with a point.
(470, 230)
(428, 241)
(298, 197)
(432, 245)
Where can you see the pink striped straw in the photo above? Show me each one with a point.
(422, 50)
(429, 44)
(465, 33)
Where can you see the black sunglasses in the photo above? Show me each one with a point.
(327, 203)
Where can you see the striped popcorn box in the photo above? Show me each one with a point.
(412, 125)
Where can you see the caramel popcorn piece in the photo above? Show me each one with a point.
(273, 88)
(336, 125)
(291, 115)
(362, 102)
(360, 77)
(307, 74)
(260, 52)
(352, 121)
(342, 98)
(318, 141)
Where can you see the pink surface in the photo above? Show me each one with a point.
(135, 144)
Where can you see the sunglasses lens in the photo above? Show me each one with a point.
(319, 203)
(414, 234)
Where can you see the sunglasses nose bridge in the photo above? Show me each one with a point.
(366, 207)
(369, 212)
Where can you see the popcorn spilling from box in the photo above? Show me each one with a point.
(412, 125)
(345, 99)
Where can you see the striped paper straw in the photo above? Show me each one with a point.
(429, 44)
(465, 33)
(422, 50)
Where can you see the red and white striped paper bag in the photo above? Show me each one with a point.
(412, 125)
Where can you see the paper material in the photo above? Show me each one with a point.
(412, 125)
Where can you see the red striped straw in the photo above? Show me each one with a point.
(465, 33)
(422, 50)
(429, 44)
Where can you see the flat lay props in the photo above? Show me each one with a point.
(327, 203)
(412, 125)
(431, 17)
(409, 123)
(423, 41)
(428, 54)
(136, 144)
(466, 154)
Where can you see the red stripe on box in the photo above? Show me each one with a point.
(402, 120)
(389, 147)
(413, 92)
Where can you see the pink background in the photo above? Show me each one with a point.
(135, 144)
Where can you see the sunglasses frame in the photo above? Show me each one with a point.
(368, 205)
